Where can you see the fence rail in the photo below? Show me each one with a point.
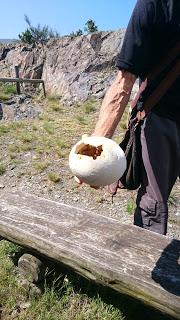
(21, 80)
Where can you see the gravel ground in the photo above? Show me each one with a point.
(121, 207)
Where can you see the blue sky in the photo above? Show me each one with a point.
(63, 16)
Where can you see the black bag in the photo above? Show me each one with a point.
(131, 144)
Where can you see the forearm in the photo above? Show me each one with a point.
(114, 104)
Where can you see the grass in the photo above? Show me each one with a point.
(6, 91)
(173, 198)
(89, 106)
(49, 137)
(3, 129)
(81, 119)
(13, 148)
(2, 169)
(53, 103)
(49, 127)
(26, 137)
(130, 206)
(65, 295)
(41, 166)
(61, 299)
(54, 176)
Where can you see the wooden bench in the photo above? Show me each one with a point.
(131, 260)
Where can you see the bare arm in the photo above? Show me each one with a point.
(114, 104)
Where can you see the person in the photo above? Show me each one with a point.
(154, 27)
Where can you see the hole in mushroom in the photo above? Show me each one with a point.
(89, 150)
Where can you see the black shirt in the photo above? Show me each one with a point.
(153, 29)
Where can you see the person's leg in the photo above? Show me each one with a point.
(160, 140)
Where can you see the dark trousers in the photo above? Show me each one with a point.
(160, 138)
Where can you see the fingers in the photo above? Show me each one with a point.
(78, 180)
(112, 188)
(81, 182)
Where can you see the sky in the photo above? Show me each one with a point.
(63, 16)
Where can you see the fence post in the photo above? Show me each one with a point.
(18, 89)
(44, 90)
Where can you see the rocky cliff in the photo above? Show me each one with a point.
(74, 68)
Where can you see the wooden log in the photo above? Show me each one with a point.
(131, 260)
(21, 80)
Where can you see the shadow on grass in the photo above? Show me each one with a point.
(129, 307)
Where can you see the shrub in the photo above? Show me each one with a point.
(39, 34)
(90, 26)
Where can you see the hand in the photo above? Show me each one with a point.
(81, 182)
(112, 188)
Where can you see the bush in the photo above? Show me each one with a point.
(90, 26)
(76, 33)
(39, 34)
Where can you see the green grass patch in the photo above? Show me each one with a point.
(130, 206)
(173, 198)
(89, 106)
(26, 147)
(61, 298)
(4, 97)
(6, 90)
(81, 119)
(61, 143)
(2, 169)
(53, 98)
(53, 103)
(61, 154)
(54, 176)
(41, 165)
(25, 137)
(13, 147)
(10, 89)
(65, 295)
(10, 291)
(4, 129)
(56, 107)
(49, 127)
(12, 155)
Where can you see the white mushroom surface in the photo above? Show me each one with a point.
(97, 161)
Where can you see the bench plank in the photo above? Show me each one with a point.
(131, 260)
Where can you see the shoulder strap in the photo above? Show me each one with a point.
(162, 88)
(165, 84)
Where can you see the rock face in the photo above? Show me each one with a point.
(74, 68)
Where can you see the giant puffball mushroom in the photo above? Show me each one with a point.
(97, 161)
